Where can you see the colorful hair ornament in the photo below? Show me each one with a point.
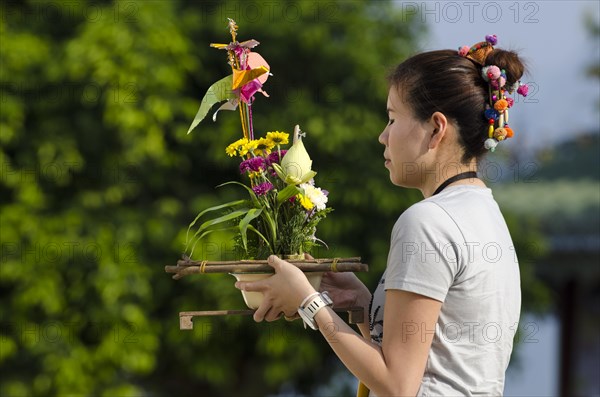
(492, 39)
(490, 144)
(523, 89)
(496, 111)
(501, 105)
(492, 72)
(478, 52)
(509, 131)
(491, 114)
(464, 50)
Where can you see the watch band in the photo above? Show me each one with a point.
(311, 305)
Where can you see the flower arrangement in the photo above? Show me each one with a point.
(284, 206)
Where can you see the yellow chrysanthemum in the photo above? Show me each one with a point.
(278, 138)
(250, 146)
(305, 202)
(237, 146)
(230, 150)
(263, 147)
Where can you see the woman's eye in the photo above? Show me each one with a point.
(390, 122)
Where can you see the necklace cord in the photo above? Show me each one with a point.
(458, 177)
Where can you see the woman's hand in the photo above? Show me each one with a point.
(345, 289)
(283, 292)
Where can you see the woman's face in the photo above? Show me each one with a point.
(406, 142)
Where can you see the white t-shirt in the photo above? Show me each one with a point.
(455, 247)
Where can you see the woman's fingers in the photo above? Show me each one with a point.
(273, 315)
(261, 312)
(293, 317)
(258, 286)
(275, 262)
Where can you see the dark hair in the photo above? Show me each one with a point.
(443, 81)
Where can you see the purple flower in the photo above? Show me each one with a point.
(262, 188)
(254, 164)
(274, 157)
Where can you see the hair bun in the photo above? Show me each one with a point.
(509, 61)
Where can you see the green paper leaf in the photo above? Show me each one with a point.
(308, 176)
(218, 92)
(279, 171)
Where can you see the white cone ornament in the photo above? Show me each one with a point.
(296, 164)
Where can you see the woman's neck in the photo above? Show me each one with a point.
(446, 172)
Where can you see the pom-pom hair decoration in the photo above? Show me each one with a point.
(493, 72)
(523, 90)
(501, 105)
(464, 50)
(492, 39)
(490, 144)
(496, 111)
(491, 114)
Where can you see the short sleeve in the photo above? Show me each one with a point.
(424, 252)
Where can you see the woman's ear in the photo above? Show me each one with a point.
(439, 125)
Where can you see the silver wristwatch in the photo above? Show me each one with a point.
(311, 305)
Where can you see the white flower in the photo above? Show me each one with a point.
(315, 195)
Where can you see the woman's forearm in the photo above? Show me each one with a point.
(361, 356)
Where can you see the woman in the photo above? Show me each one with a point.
(443, 317)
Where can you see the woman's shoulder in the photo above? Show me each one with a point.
(425, 214)
(462, 200)
(448, 208)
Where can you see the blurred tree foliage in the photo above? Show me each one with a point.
(99, 181)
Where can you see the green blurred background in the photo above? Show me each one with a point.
(99, 181)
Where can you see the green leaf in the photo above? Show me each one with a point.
(216, 221)
(221, 219)
(206, 233)
(286, 193)
(244, 223)
(215, 208)
(218, 92)
(272, 225)
(253, 197)
(252, 228)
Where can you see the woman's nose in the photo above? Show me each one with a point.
(383, 137)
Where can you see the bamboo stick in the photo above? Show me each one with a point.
(186, 261)
(263, 268)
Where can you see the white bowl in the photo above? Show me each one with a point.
(254, 299)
